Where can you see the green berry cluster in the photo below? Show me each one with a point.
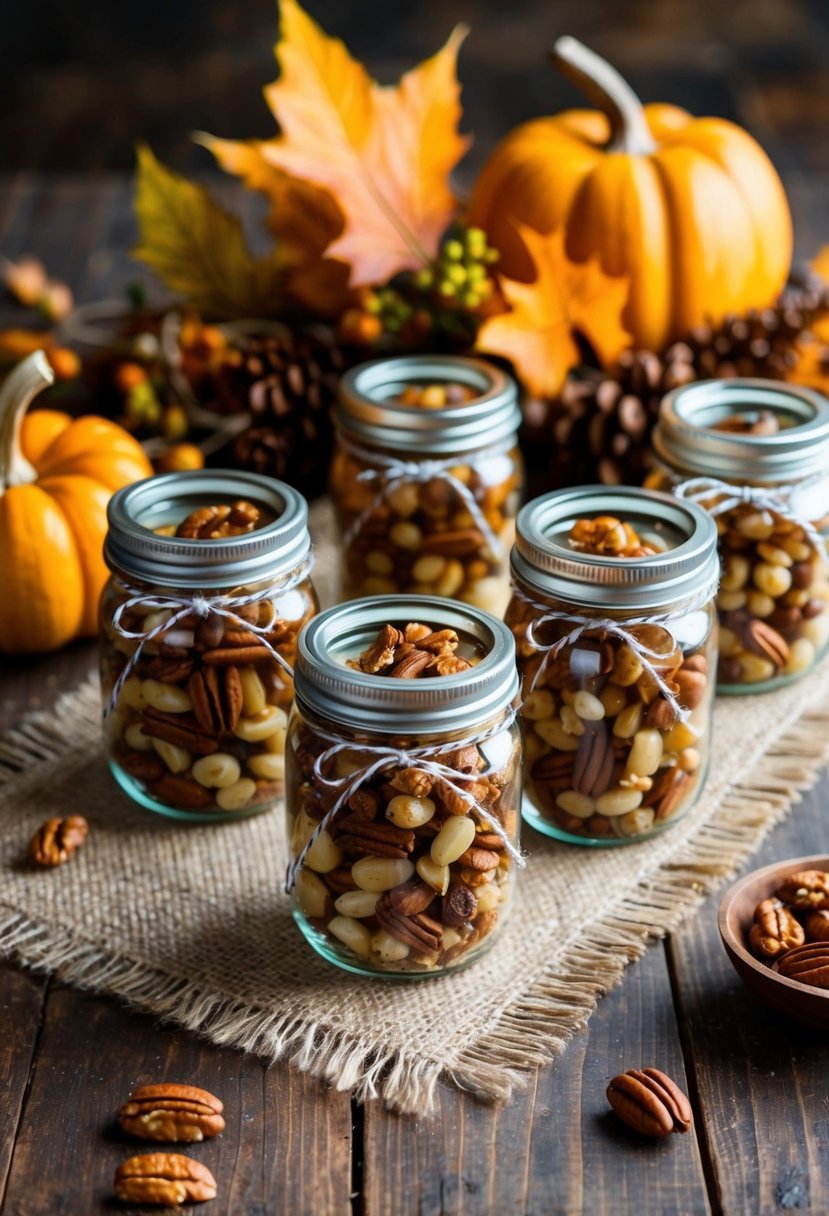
(460, 275)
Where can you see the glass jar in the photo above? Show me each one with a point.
(197, 643)
(402, 795)
(616, 656)
(755, 453)
(426, 495)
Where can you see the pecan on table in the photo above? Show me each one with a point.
(164, 1180)
(172, 1113)
(650, 1102)
(57, 840)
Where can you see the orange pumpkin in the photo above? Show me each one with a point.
(56, 478)
(690, 208)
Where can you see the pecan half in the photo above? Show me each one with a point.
(380, 654)
(144, 766)
(461, 543)
(817, 927)
(57, 839)
(231, 656)
(170, 671)
(364, 804)
(215, 522)
(807, 964)
(448, 664)
(217, 699)
(439, 642)
(179, 729)
(173, 1113)
(479, 859)
(164, 1180)
(209, 632)
(360, 839)
(420, 931)
(775, 930)
(593, 765)
(808, 889)
(411, 665)
(762, 639)
(650, 1102)
(556, 768)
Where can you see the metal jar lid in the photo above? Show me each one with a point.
(132, 548)
(687, 571)
(326, 687)
(686, 439)
(369, 413)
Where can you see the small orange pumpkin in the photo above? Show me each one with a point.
(690, 208)
(56, 478)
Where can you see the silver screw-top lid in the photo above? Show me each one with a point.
(369, 411)
(683, 571)
(686, 437)
(326, 687)
(133, 549)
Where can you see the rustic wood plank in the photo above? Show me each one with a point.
(22, 1000)
(556, 1149)
(286, 1146)
(761, 1079)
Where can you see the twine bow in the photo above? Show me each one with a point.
(392, 473)
(623, 633)
(385, 757)
(201, 606)
(766, 498)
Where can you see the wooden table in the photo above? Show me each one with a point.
(759, 1085)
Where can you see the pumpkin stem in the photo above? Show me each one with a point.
(21, 385)
(603, 85)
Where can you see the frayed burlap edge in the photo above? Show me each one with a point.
(531, 1031)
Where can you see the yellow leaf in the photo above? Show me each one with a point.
(383, 154)
(564, 298)
(304, 219)
(199, 249)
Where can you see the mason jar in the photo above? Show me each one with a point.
(617, 655)
(402, 795)
(197, 641)
(427, 477)
(755, 454)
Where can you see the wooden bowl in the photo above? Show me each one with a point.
(799, 1001)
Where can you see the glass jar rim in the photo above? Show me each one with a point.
(686, 439)
(367, 411)
(323, 685)
(134, 550)
(686, 573)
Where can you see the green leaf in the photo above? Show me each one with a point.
(198, 249)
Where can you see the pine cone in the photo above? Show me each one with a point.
(599, 428)
(288, 384)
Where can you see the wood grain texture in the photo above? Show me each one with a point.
(22, 1002)
(557, 1149)
(287, 1138)
(762, 1081)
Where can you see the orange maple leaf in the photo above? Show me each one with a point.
(384, 154)
(564, 298)
(304, 218)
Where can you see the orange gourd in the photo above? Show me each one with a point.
(690, 208)
(56, 478)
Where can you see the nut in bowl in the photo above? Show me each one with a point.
(768, 976)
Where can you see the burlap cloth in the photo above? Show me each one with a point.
(190, 922)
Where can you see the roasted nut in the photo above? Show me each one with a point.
(172, 1113)
(807, 964)
(164, 1180)
(775, 930)
(57, 840)
(650, 1102)
(817, 927)
(807, 889)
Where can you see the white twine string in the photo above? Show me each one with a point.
(386, 757)
(767, 498)
(583, 624)
(202, 606)
(392, 473)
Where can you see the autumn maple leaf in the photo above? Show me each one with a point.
(565, 298)
(383, 154)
